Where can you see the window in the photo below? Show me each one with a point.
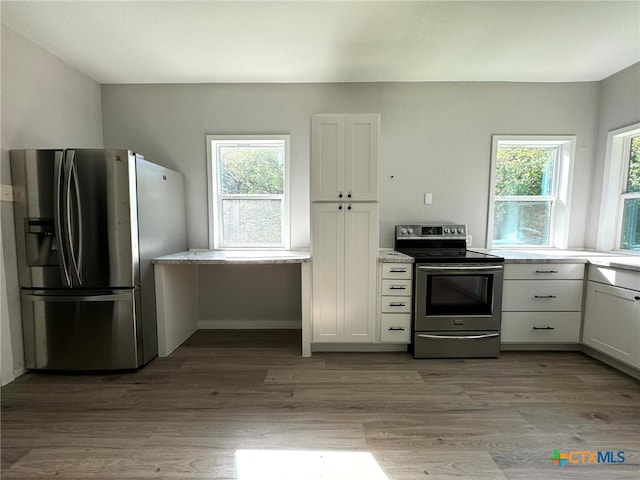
(529, 191)
(619, 226)
(248, 191)
(630, 198)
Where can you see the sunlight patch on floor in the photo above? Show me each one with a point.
(307, 465)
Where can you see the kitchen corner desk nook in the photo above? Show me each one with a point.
(176, 279)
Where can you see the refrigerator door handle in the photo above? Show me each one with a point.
(58, 201)
(76, 185)
(107, 297)
(71, 174)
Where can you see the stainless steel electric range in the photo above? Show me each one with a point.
(457, 294)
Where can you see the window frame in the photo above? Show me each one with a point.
(614, 186)
(561, 189)
(215, 198)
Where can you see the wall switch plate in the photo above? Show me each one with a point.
(6, 193)
(428, 198)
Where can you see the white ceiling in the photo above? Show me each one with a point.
(327, 41)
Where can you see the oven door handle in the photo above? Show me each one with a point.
(438, 268)
(461, 337)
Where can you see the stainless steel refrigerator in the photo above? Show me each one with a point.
(88, 222)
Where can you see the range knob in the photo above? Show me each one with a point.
(410, 230)
(403, 231)
(461, 230)
(446, 231)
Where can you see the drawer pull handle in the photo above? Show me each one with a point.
(545, 296)
(397, 287)
(398, 270)
(546, 271)
(397, 304)
(395, 329)
(544, 328)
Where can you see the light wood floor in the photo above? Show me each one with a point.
(184, 416)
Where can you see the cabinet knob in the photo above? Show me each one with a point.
(339, 207)
(340, 195)
(636, 298)
(349, 195)
(349, 207)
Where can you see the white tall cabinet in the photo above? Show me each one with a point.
(344, 223)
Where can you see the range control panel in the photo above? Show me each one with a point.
(434, 231)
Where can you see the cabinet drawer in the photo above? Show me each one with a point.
(397, 270)
(540, 327)
(396, 327)
(398, 287)
(396, 304)
(535, 295)
(615, 277)
(544, 271)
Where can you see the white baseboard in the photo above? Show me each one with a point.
(250, 324)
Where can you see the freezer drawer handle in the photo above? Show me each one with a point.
(545, 296)
(78, 298)
(544, 328)
(462, 337)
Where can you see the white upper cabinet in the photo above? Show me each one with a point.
(344, 157)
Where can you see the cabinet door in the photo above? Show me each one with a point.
(361, 249)
(361, 157)
(344, 157)
(612, 322)
(327, 157)
(328, 272)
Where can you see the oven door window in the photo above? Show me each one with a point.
(459, 294)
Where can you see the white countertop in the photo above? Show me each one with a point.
(553, 255)
(235, 256)
(546, 255)
(389, 255)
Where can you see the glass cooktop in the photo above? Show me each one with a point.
(426, 255)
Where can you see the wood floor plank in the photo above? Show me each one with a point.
(184, 416)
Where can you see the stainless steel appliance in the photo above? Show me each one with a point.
(457, 293)
(88, 222)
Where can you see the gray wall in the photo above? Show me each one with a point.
(45, 104)
(619, 106)
(435, 137)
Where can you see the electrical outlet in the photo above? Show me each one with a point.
(6, 193)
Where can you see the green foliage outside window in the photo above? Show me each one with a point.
(524, 171)
(251, 170)
(633, 180)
